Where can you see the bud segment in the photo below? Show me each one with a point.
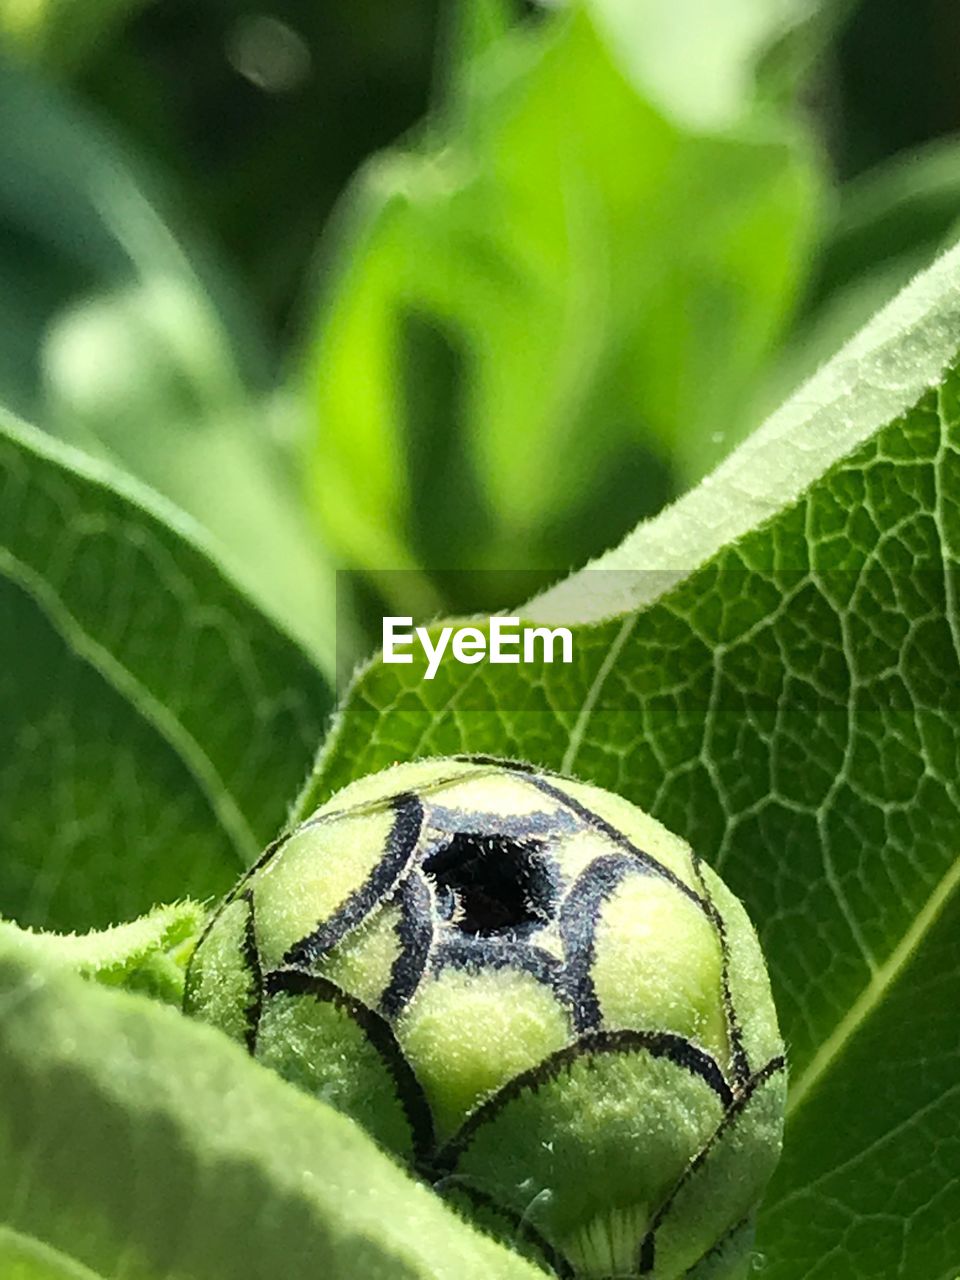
(531, 991)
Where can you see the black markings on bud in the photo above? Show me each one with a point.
(240, 890)
(543, 824)
(738, 1054)
(401, 845)
(647, 1254)
(613, 833)
(578, 926)
(658, 1044)
(379, 1035)
(478, 955)
(415, 935)
(252, 957)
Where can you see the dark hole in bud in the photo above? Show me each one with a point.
(492, 884)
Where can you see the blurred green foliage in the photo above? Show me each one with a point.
(495, 294)
(461, 285)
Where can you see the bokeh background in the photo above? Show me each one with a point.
(403, 284)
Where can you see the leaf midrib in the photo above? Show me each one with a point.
(210, 781)
(874, 992)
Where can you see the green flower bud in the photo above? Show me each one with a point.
(532, 992)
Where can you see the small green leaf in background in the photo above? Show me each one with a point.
(146, 1145)
(147, 955)
(119, 339)
(561, 268)
(154, 722)
(772, 669)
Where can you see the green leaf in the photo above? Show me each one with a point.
(154, 722)
(147, 955)
(127, 342)
(771, 668)
(135, 1142)
(514, 270)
